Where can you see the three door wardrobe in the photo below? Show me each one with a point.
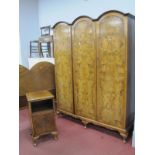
(94, 70)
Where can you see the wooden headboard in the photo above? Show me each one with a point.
(24, 78)
(39, 77)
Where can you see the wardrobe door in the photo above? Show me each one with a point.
(84, 68)
(111, 69)
(63, 67)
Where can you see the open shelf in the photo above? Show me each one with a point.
(40, 106)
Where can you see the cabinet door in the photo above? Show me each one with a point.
(111, 69)
(63, 67)
(84, 67)
(43, 122)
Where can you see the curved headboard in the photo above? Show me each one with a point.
(39, 77)
(42, 76)
(24, 78)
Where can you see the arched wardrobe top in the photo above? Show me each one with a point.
(103, 15)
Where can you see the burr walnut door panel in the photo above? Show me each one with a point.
(63, 67)
(84, 68)
(43, 122)
(111, 69)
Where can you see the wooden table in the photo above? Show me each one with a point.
(42, 114)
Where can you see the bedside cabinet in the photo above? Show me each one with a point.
(42, 114)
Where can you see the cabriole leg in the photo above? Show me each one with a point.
(35, 140)
(124, 136)
(55, 135)
(85, 123)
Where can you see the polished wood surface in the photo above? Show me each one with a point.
(24, 82)
(111, 69)
(102, 52)
(42, 123)
(42, 114)
(40, 77)
(84, 67)
(63, 63)
(24, 78)
(39, 95)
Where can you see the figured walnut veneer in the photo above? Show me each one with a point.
(95, 69)
(63, 65)
(42, 114)
(84, 67)
(39, 77)
(111, 69)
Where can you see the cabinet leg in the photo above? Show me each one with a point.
(35, 140)
(34, 144)
(59, 114)
(85, 123)
(55, 135)
(124, 136)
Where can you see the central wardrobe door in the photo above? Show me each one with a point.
(63, 67)
(84, 67)
(111, 69)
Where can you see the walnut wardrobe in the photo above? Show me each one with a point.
(94, 69)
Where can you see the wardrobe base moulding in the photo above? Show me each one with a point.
(123, 132)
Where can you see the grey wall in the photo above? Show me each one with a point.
(36, 13)
(28, 27)
(52, 11)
